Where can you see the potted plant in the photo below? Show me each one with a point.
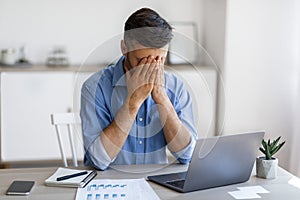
(266, 166)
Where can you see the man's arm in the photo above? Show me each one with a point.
(176, 133)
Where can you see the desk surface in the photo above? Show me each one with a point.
(279, 188)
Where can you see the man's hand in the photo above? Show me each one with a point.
(159, 92)
(140, 81)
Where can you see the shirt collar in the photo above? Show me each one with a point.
(119, 78)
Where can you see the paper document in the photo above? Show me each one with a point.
(249, 192)
(255, 189)
(117, 189)
(244, 195)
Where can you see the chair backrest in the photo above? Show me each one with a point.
(70, 120)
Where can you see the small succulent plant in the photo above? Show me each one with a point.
(270, 148)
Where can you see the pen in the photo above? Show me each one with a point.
(71, 176)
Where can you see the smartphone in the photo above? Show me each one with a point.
(20, 188)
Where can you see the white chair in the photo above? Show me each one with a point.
(69, 120)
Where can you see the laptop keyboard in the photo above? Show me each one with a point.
(176, 183)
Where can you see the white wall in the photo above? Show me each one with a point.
(79, 25)
(214, 24)
(214, 19)
(261, 71)
(294, 162)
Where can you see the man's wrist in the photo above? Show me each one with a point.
(133, 106)
(160, 97)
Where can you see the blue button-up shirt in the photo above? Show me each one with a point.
(104, 93)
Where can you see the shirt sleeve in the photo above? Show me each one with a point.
(93, 123)
(99, 156)
(184, 156)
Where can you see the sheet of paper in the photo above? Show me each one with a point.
(244, 195)
(255, 189)
(248, 192)
(117, 189)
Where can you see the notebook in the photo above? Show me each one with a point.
(216, 161)
(77, 181)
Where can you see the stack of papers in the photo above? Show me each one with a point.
(117, 189)
(77, 181)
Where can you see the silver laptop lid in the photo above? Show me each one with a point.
(222, 160)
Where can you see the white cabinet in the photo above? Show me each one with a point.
(27, 100)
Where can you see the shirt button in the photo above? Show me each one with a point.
(140, 119)
(141, 142)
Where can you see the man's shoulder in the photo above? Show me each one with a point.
(103, 75)
(172, 80)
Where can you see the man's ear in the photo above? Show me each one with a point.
(123, 47)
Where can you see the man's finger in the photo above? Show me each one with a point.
(150, 70)
(162, 59)
(153, 74)
(147, 65)
(138, 69)
(127, 73)
(160, 78)
(142, 61)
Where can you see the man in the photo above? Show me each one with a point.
(133, 110)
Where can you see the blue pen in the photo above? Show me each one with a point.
(71, 176)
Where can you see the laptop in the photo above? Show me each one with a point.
(216, 161)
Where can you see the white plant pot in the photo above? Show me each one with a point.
(266, 168)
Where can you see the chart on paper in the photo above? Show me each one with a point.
(120, 189)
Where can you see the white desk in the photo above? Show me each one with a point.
(279, 188)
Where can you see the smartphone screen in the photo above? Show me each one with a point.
(20, 188)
